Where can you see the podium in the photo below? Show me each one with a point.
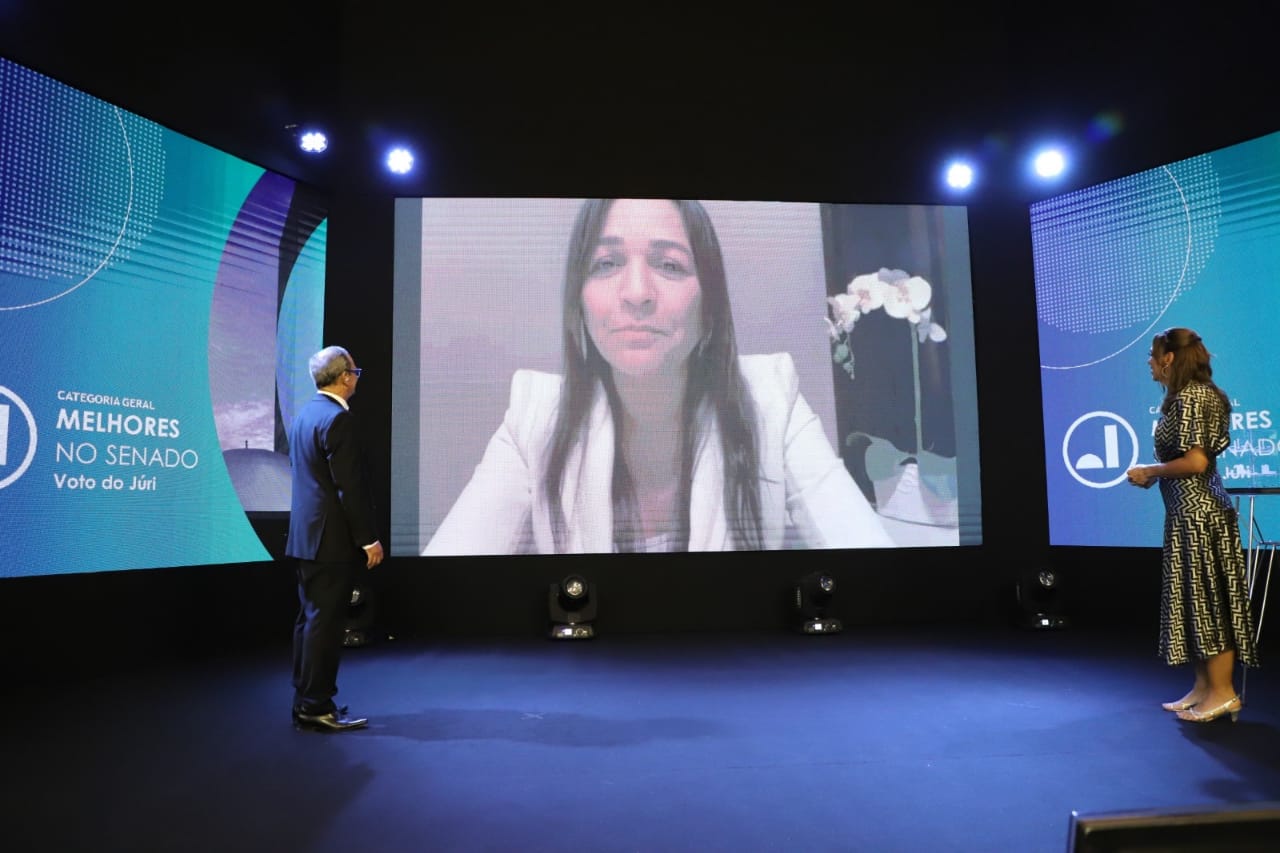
(1259, 558)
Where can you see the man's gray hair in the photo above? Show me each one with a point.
(329, 364)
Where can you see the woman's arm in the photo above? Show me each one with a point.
(493, 514)
(826, 507)
(825, 504)
(1194, 461)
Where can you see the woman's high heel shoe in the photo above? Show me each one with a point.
(1232, 706)
(1177, 706)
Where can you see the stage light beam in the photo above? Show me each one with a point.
(313, 142)
(1049, 163)
(960, 175)
(400, 160)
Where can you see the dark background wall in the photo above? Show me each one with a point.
(847, 107)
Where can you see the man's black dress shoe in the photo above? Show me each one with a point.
(333, 721)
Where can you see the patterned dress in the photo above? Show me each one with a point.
(1204, 603)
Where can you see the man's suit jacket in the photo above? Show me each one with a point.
(804, 487)
(331, 516)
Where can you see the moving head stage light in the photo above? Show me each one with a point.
(572, 605)
(814, 595)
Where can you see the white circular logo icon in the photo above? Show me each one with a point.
(5, 431)
(1094, 458)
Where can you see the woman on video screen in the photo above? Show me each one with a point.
(658, 437)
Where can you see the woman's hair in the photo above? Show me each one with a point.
(1190, 364)
(713, 379)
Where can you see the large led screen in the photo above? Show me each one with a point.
(1195, 244)
(158, 302)
(599, 376)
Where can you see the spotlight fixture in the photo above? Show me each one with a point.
(313, 141)
(1039, 598)
(360, 617)
(814, 595)
(572, 604)
(400, 161)
(1049, 163)
(959, 175)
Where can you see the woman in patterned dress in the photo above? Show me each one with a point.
(1205, 617)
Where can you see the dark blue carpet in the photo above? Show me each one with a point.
(961, 739)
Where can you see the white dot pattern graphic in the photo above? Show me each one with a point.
(80, 183)
(1114, 256)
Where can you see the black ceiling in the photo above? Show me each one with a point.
(718, 102)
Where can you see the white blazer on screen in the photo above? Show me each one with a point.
(804, 486)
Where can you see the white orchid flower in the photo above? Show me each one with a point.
(845, 310)
(833, 331)
(868, 290)
(901, 295)
(926, 329)
(905, 298)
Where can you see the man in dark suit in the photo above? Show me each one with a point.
(331, 533)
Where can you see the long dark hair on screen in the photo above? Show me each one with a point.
(713, 379)
(1190, 364)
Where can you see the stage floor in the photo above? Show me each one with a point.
(959, 739)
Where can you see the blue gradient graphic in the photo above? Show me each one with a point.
(140, 283)
(1197, 244)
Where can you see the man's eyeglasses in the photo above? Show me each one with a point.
(356, 370)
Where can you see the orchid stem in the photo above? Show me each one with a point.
(915, 374)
